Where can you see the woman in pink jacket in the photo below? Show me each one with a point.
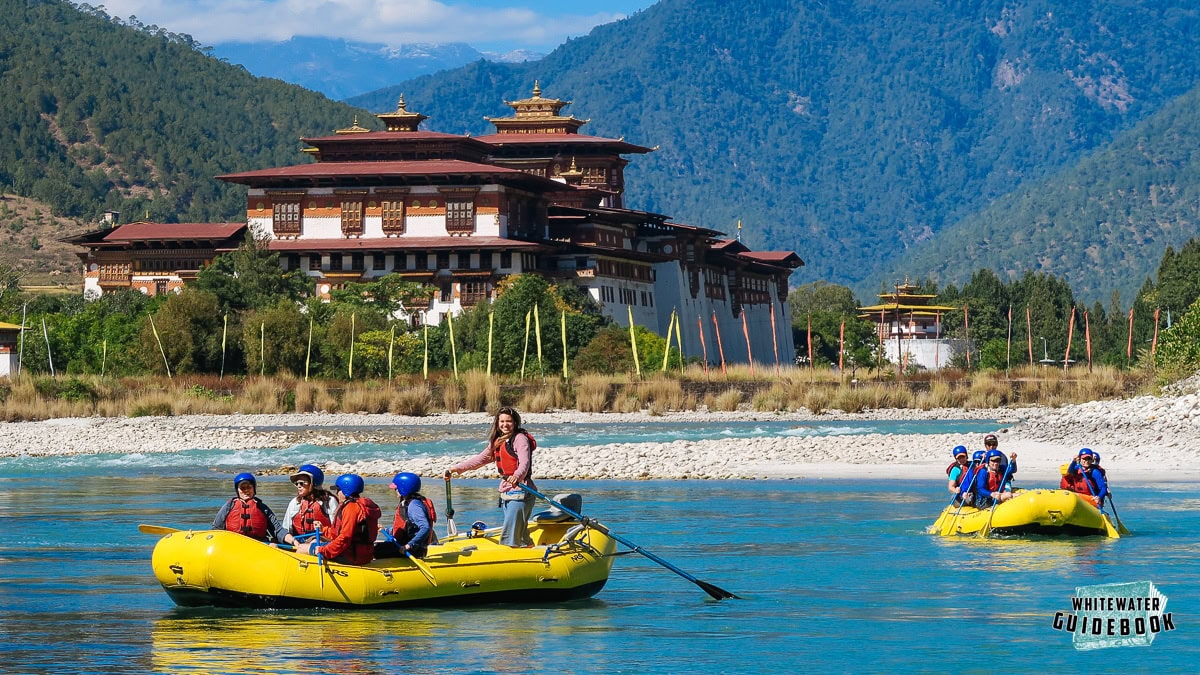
(510, 447)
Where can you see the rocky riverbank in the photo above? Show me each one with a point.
(1138, 438)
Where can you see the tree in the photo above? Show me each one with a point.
(251, 278)
(189, 330)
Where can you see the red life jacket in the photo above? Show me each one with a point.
(506, 455)
(311, 511)
(994, 480)
(247, 517)
(958, 481)
(401, 524)
(362, 541)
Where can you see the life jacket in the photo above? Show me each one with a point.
(967, 484)
(962, 475)
(362, 541)
(248, 518)
(506, 455)
(401, 524)
(995, 479)
(311, 511)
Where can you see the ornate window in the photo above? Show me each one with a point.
(460, 216)
(352, 216)
(285, 216)
(473, 293)
(392, 210)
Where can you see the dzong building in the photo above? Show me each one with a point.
(459, 213)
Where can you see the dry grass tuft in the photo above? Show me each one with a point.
(593, 391)
(415, 400)
(483, 392)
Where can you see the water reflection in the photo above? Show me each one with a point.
(474, 640)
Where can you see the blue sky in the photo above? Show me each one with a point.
(499, 25)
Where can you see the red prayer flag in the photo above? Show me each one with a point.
(1070, 332)
(746, 332)
(1029, 334)
(1129, 344)
(703, 347)
(775, 340)
(1087, 338)
(810, 354)
(720, 347)
(1154, 342)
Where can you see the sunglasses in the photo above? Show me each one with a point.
(994, 459)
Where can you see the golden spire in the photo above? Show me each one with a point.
(537, 89)
(352, 129)
(402, 119)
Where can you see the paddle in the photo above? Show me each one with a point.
(317, 547)
(714, 591)
(451, 529)
(987, 527)
(948, 526)
(1108, 526)
(1120, 526)
(420, 564)
(156, 529)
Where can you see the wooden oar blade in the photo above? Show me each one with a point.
(156, 529)
(716, 591)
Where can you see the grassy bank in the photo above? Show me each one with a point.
(37, 397)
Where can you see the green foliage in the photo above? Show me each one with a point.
(610, 352)
(251, 278)
(189, 331)
(1178, 352)
(281, 333)
(88, 127)
(829, 305)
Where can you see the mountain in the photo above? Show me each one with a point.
(1103, 224)
(857, 132)
(99, 115)
(340, 68)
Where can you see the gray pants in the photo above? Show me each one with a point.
(515, 531)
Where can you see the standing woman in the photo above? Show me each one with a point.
(511, 448)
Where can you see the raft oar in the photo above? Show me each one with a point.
(714, 591)
(948, 527)
(1108, 526)
(157, 529)
(420, 564)
(1120, 526)
(451, 529)
(320, 558)
(987, 527)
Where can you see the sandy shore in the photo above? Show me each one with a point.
(1138, 438)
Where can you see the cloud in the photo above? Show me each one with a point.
(384, 21)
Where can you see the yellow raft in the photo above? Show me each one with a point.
(1045, 512)
(226, 569)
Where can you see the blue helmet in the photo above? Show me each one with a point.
(1087, 452)
(314, 474)
(959, 450)
(1095, 457)
(242, 478)
(350, 484)
(978, 456)
(407, 484)
(995, 453)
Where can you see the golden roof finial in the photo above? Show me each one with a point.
(537, 89)
(400, 106)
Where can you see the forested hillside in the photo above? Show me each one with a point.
(98, 115)
(851, 131)
(1103, 224)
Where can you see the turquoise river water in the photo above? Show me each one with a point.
(834, 575)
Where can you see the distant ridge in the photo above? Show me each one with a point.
(852, 132)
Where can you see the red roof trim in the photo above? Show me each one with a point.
(399, 243)
(143, 231)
